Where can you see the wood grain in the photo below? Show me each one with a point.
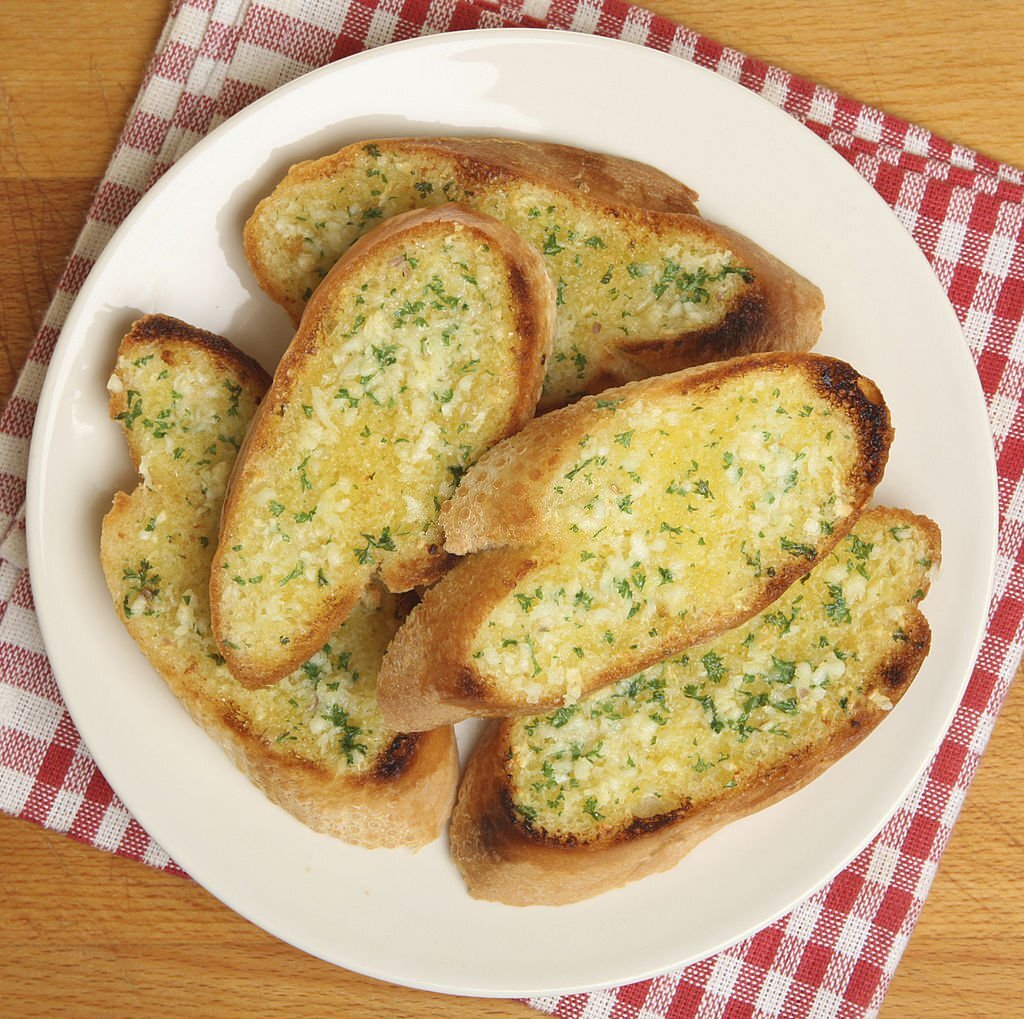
(86, 933)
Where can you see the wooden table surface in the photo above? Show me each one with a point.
(84, 932)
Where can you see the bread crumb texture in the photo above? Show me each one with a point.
(669, 514)
(411, 376)
(617, 277)
(707, 724)
(185, 417)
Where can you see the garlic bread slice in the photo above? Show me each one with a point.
(559, 807)
(425, 345)
(629, 526)
(315, 742)
(644, 285)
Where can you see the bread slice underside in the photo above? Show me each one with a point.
(645, 286)
(424, 346)
(559, 807)
(629, 526)
(315, 742)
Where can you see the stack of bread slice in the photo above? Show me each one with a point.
(667, 591)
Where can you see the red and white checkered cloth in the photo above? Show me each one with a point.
(835, 953)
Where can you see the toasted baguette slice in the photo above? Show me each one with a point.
(645, 286)
(630, 526)
(558, 808)
(314, 743)
(424, 346)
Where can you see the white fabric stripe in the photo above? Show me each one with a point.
(726, 972)
(30, 381)
(683, 44)
(962, 157)
(599, 1005)
(155, 855)
(63, 810)
(20, 628)
(659, 998)
(537, 9)
(772, 995)
(325, 14)
(804, 919)
(917, 140)
(823, 106)
(883, 863)
(730, 65)
(637, 25)
(29, 714)
(15, 786)
(112, 828)
(586, 16)
(9, 574)
(869, 124)
(1002, 410)
(776, 86)
(925, 878)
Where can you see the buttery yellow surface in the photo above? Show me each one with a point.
(413, 377)
(673, 513)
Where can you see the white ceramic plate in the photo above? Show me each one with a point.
(404, 917)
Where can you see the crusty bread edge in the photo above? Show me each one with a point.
(403, 801)
(426, 678)
(497, 504)
(534, 298)
(501, 861)
(159, 328)
(778, 310)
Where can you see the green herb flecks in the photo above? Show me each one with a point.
(795, 548)
(348, 733)
(693, 287)
(383, 542)
(837, 610)
(143, 583)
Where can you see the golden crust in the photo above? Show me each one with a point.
(533, 309)
(496, 507)
(427, 676)
(501, 512)
(502, 859)
(401, 802)
(407, 793)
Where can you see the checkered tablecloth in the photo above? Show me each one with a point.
(836, 952)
